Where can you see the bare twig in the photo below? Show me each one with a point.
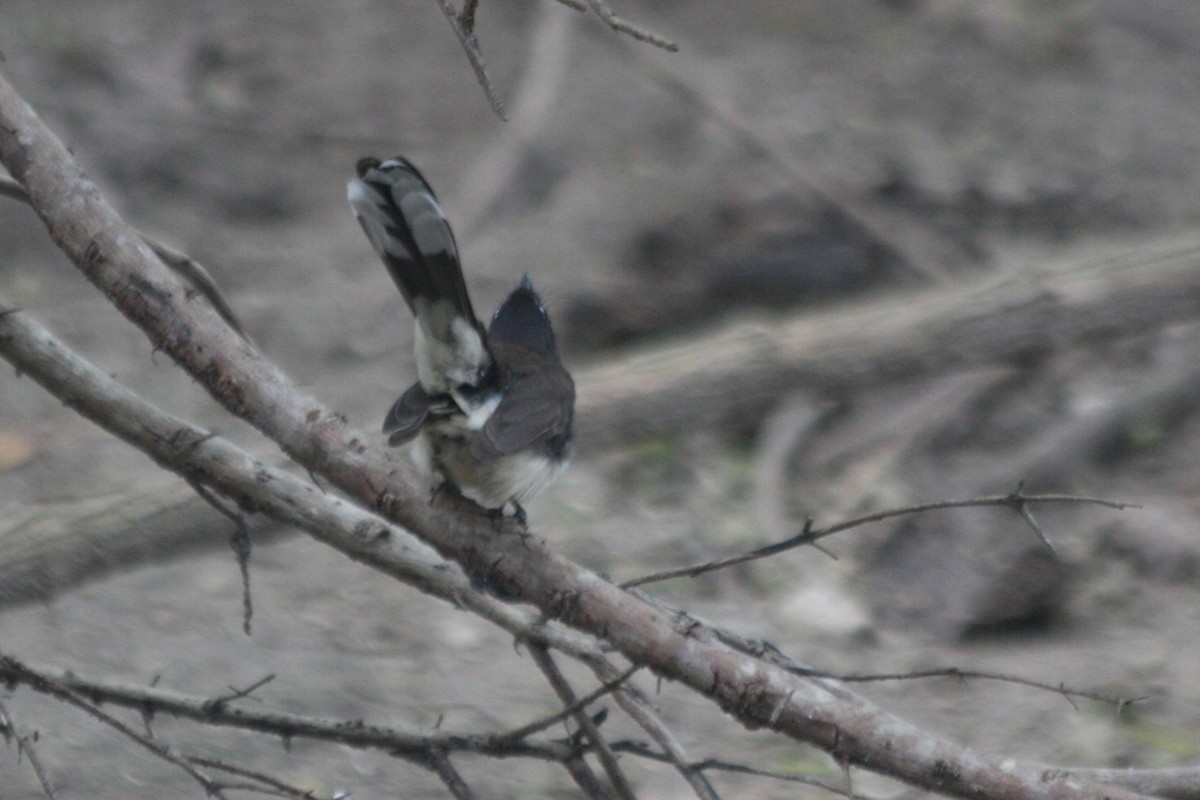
(466, 17)
(640, 711)
(195, 274)
(767, 651)
(1061, 689)
(620, 25)
(263, 783)
(566, 694)
(811, 534)
(55, 547)
(463, 25)
(410, 742)
(238, 694)
(586, 778)
(493, 167)
(439, 763)
(462, 22)
(1022, 507)
(182, 264)
(8, 728)
(721, 765)
(43, 683)
(239, 542)
(578, 706)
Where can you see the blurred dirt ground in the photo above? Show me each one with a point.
(643, 192)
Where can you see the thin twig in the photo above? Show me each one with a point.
(537, 726)
(811, 534)
(410, 742)
(1061, 689)
(272, 785)
(239, 542)
(24, 746)
(640, 711)
(493, 169)
(620, 784)
(586, 778)
(44, 683)
(200, 279)
(720, 765)
(762, 649)
(238, 694)
(1027, 515)
(182, 264)
(601, 10)
(440, 764)
(462, 22)
(464, 29)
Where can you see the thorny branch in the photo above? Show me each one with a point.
(42, 683)
(1061, 689)
(811, 534)
(407, 741)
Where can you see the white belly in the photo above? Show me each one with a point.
(492, 482)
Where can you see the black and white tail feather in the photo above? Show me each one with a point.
(491, 411)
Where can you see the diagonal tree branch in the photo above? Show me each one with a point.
(759, 695)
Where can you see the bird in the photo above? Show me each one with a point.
(492, 410)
